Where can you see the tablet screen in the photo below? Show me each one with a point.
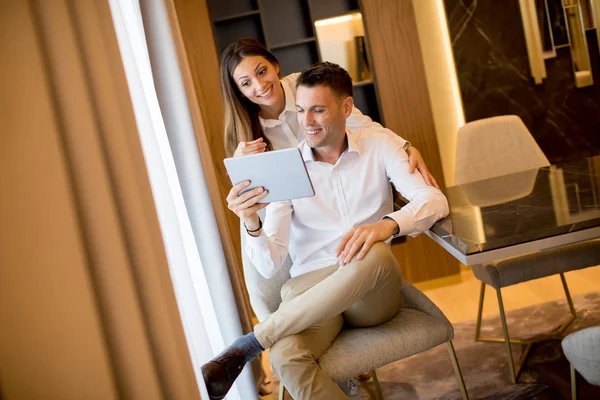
(281, 172)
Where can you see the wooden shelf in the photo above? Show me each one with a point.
(231, 30)
(296, 58)
(332, 8)
(365, 99)
(285, 21)
(293, 43)
(362, 83)
(236, 16)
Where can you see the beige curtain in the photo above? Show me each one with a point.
(90, 311)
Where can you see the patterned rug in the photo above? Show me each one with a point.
(484, 365)
(485, 369)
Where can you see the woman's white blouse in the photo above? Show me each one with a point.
(286, 132)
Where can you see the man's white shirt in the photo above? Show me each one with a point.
(355, 191)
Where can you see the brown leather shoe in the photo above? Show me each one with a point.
(220, 373)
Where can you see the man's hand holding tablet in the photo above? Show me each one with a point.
(246, 205)
(259, 179)
(281, 172)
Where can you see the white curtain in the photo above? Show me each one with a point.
(194, 250)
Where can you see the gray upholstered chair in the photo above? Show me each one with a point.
(418, 326)
(495, 147)
(582, 349)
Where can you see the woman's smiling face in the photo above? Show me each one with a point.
(258, 80)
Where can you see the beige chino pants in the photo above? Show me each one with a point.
(313, 309)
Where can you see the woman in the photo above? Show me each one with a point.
(260, 109)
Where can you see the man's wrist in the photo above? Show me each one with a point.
(252, 224)
(255, 234)
(392, 224)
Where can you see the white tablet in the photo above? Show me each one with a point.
(281, 172)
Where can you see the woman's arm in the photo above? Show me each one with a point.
(357, 120)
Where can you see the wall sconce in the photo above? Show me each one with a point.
(342, 41)
(533, 40)
(539, 50)
(547, 36)
(595, 11)
(579, 48)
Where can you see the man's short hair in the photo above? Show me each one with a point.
(329, 75)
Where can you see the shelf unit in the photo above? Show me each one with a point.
(286, 28)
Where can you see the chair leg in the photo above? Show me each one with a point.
(514, 374)
(478, 337)
(573, 383)
(511, 365)
(558, 330)
(457, 371)
(379, 393)
(479, 312)
(281, 391)
(573, 315)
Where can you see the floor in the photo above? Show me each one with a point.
(457, 296)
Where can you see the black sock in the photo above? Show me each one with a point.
(249, 345)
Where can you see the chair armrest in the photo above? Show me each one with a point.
(264, 294)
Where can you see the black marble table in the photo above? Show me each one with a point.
(521, 213)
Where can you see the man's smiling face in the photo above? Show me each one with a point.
(322, 115)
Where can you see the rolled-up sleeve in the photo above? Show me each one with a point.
(269, 250)
(426, 203)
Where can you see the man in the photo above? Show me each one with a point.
(342, 269)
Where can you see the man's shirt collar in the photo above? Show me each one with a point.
(353, 146)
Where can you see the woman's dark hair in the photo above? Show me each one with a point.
(240, 114)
